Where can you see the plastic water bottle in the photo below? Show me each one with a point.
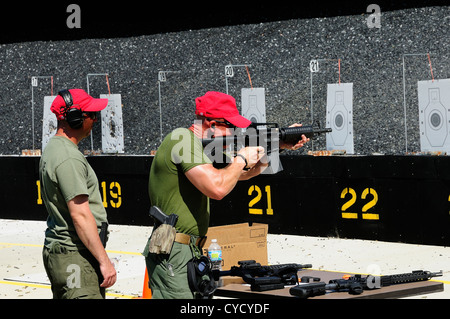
(215, 255)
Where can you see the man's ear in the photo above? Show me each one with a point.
(211, 124)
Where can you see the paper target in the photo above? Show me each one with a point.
(254, 104)
(434, 108)
(112, 124)
(49, 122)
(340, 117)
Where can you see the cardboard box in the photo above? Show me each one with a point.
(239, 242)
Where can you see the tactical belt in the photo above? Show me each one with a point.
(186, 239)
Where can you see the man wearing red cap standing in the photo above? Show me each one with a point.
(182, 179)
(74, 255)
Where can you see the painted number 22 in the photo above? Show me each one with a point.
(365, 194)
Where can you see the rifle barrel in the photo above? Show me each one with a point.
(294, 134)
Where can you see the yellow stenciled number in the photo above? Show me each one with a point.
(115, 195)
(39, 199)
(256, 199)
(365, 215)
(370, 204)
(269, 201)
(115, 192)
(349, 203)
(105, 202)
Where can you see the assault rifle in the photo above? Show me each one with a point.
(267, 135)
(262, 278)
(357, 284)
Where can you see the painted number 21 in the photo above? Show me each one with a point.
(256, 192)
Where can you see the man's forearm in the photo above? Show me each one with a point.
(86, 229)
(216, 183)
(254, 171)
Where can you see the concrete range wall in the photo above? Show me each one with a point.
(279, 54)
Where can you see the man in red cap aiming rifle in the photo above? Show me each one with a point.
(74, 249)
(182, 179)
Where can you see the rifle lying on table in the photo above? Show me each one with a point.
(355, 285)
(262, 278)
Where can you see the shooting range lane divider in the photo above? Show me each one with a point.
(387, 198)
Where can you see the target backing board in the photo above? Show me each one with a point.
(254, 104)
(434, 115)
(254, 109)
(112, 124)
(49, 122)
(340, 117)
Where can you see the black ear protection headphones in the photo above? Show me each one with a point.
(72, 115)
(198, 268)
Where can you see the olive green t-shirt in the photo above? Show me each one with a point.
(64, 174)
(170, 189)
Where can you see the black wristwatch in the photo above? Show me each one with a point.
(245, 160)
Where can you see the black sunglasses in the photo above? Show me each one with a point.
(225, 122)
(93, 115)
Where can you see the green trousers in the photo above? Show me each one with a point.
(167, 273)
(73, 274)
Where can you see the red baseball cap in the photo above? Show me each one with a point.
(81, 100)
(220, 105)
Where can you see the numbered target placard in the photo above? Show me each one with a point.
(112, 124)
(229, 73)
(49, 122)
(340, 117)
(434, 115)
(314, 66)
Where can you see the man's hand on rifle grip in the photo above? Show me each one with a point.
(252, 154)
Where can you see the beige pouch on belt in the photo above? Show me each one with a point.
(162, 239)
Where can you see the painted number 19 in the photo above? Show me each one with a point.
(115, 193)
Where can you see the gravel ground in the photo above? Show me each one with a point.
(279, 54)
